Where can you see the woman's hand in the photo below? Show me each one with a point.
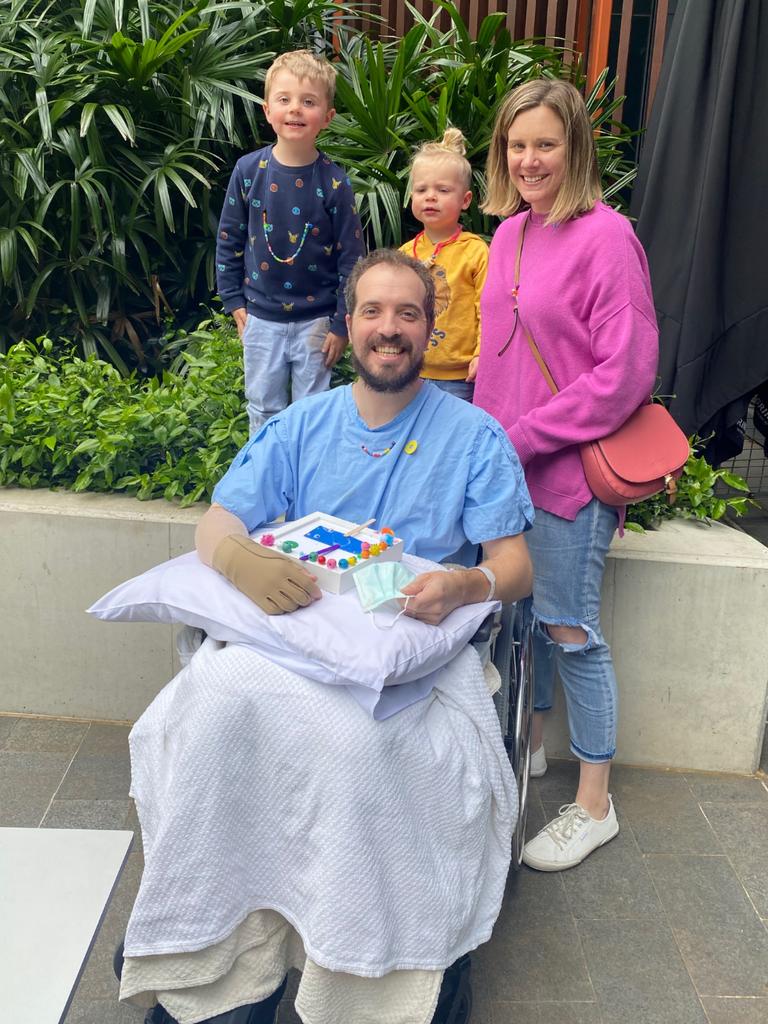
(472, 369)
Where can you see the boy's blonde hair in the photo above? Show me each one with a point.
(304, 64)
(581, 187)
(451, 148)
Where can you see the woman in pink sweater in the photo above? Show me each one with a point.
(582, 291)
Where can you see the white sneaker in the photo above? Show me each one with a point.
(569, 838)
(538, 763)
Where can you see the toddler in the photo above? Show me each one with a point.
(440, 190)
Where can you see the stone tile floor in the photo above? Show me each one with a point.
(668, 924)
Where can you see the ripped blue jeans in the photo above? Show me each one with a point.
(568, 565)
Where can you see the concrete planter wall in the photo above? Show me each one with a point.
(59, 552)
(684, 609)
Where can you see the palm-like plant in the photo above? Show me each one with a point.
(118, 120)
(398, 94)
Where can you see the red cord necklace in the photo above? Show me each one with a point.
(430, 261)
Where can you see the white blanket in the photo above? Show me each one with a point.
(386, 844)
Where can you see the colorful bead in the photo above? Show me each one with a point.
(313, 556)
(343, 563)
(365, 545)
(321, 559)
(375, 549)
(267, 539)
(352, 560)
(411, 447)
(387, 529)
(379, 454)
(331, 563)
(266, 227)
(365, 553)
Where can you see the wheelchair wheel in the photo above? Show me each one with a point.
(521, 722)
(462, 1011)
(454, 1003)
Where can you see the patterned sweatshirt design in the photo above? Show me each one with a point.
(288, 238)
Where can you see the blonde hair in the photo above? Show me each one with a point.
(304, 64)
(581, 187)
(452, 148)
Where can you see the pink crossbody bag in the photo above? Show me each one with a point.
(644, 456)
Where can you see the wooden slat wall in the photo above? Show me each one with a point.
(550, 19)
(584, 26)
(657, 53)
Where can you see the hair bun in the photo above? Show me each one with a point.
(453, 140)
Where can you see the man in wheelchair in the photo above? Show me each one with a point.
(283, 826)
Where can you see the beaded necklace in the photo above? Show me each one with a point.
(266, 227)
(430, 260)
(380, 454)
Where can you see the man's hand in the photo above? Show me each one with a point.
(472, 369)
(240, 316)
(275, 583)
(333, 348)
(434, 595)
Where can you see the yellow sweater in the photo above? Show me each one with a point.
(459, 272)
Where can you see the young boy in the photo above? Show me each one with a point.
(289, 235)
(440, 190)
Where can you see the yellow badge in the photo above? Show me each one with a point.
(411, 447)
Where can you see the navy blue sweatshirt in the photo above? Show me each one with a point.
(312, 228)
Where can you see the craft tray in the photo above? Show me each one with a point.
(319, 530)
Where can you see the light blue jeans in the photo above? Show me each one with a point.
(568, 565)
(461, 388)
(276, 355)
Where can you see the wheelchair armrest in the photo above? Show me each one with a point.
(484, 630)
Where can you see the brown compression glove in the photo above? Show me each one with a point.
(275, 583)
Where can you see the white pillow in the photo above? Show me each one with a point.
(332, 640)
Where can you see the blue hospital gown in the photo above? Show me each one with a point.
(450, 475)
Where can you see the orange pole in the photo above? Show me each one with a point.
(599, 36)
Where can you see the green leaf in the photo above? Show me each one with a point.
(121, 118)
(7, 403)
(738, 483)
(88, 12)
(86, 116)
(41, 101)
(7, 254)
(718, 509)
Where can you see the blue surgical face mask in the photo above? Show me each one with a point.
(379, 584)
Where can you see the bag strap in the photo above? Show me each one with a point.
(529, 337)
(670, 484)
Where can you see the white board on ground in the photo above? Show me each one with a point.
(54, 888)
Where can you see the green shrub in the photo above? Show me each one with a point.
(79, 424)
(703, 493)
